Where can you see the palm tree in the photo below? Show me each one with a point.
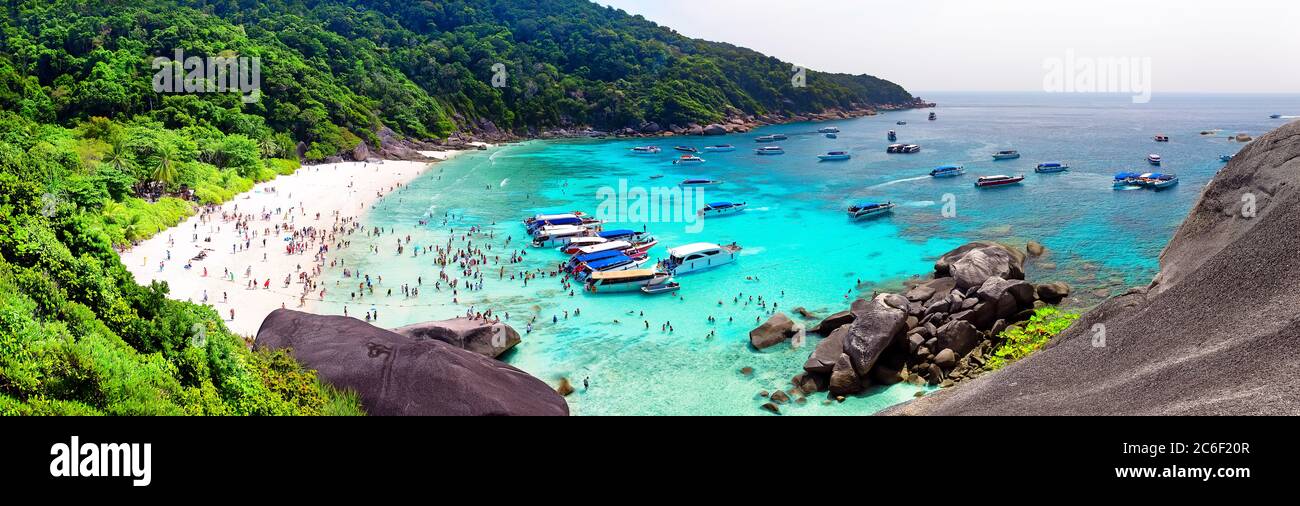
(165, 171)
(117, 152)
(269, 148)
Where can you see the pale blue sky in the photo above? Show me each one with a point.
(940, 45)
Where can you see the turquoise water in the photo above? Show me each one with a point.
(799, 248)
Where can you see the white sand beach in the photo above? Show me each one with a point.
(247, 241)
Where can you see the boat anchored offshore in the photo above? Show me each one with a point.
(933, 116)
(998, 180)
(835, 156)
(1274, 116)
(1161, 138)
(1050, 167)
(688, 159)
(832, 136)
(625, 280)
(869, 209)
(1156, 180)
(720, 148)
(699, 182)
(1126, 179)
(668, 287)
(903, 148)
(770, 150)
(550, 237)
(1006, 154)
(721, 208)
(1225, 158)
(646, 150)
(828, 130)
(578, 243)
(893, 136)
(771, 138)
(948, 171)
(686, 149)
(1153, 159)
(699, 256)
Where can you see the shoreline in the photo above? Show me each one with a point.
(246, 239)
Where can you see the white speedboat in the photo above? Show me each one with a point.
(699, 182)
(721, 208)
(948, 171)
(551, 237)
(688, 160)
(771, 138)
(720, 148)
(626, 280)
(998, 180)
(911, 148)
(699, 256)
(646, 150)
(835, 156)
(828, 130)
(578, 243)
(869, 209)
(612, 264)
(770, 150)
(1050, 167)
(893, 136)
(686, 149)
(1006, 154)
(1153, 159)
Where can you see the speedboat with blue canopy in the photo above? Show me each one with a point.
(1050, 167)
(869, 209)
(948, 171)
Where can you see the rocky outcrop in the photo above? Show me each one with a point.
(1182, 345)
(777, 329)
(479, 336)
(397, 375)
(936, 333)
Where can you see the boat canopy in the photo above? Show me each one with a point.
(605, 246)
(628, 274)
(609, 262)
(716, 205)
(548, 217)
(1126, 175)
(597, 256)
(622, 232)
(691, 249)
(1050, 164)
(947, 167)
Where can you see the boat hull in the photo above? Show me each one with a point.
(833, 158)
(704, 264)
(1006, 157)
(995, 184)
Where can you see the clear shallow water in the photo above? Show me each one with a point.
(799, 248)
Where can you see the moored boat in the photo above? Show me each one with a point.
(834, 156)
(625, 280)
(1006, 154)
(550, 237)
(770, 150)
(771, 138)
(699, 256)
(646, 150)
(688, 159)
(720, 148)
(1153, 159)
(1225, 158)
(1050, 167)
(870, 209)
(617, 263)
(998, 180)
(893, 136)
(828, 130)
(1161, 138)
(911, 148)
(948, 171)
(901, 123)
(620, 234)
(686, 149)
(832, 136)
(544, 217)
(699, 182)
(1164, 181)
(578, 243)
(1274, 116)
(933, 116)
(656, 289)
(721, 208)
(1126, 179)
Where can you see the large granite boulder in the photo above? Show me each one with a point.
(874, 329)
(774, 331)
(823, 357)
(960, 336)
(844, 380)
(397, 375)
(972, 264)
(715, 129)
(479, 336)
(832, 323)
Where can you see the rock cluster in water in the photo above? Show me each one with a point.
(938, 333)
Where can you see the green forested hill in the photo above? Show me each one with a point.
(92, 158)
(336, 70)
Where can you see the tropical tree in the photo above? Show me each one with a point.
(165, 169)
